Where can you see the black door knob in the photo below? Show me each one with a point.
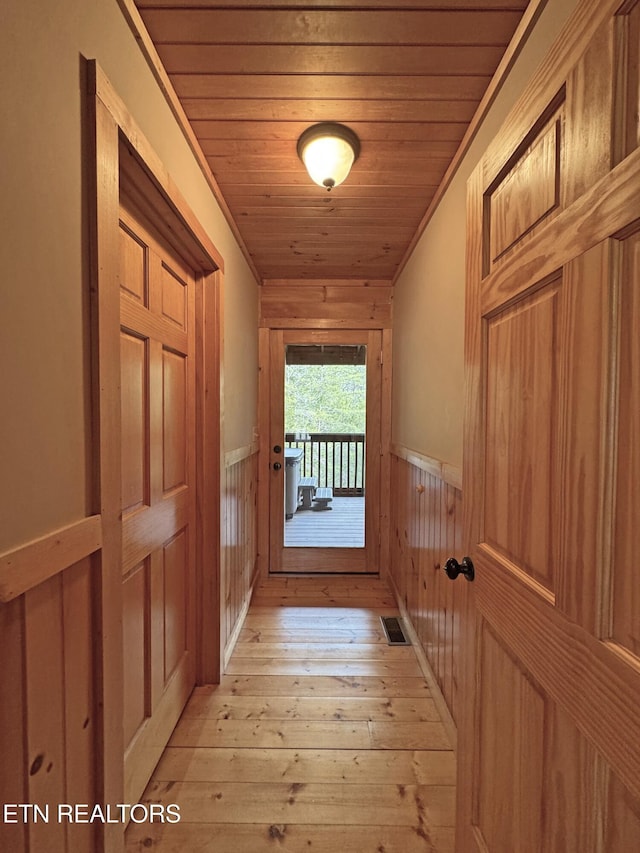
(277, 466)
(453, 568)
(277, 449)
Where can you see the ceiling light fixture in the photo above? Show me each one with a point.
(328, 150)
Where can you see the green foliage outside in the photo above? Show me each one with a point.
(325, 398)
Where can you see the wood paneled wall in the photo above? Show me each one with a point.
(239, 541)
(426, 529)
(251, 76)
(325, 304)
(48, 662)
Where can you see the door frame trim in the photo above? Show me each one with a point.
(113, 130)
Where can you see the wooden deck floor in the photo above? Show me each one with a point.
(340, 527)
(320, 737)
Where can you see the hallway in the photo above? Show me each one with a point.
(320, 737)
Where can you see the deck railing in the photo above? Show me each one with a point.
(336, 459)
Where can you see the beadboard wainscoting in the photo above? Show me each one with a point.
(426, 529)
(49, 717)
(239, 541)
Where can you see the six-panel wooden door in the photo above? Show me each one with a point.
(158, 491)
(550, 741)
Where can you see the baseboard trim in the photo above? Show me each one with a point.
(233, 638)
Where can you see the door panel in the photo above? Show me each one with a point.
(174, 427)
(329, 559)
(549, 745)
(158, 491)
(522, 421)
(570, 793)
(532, 201)
(135, 471)
(175, 601)
(626, 589)
(623, 824)
(587, 346)
(508, 785)
(174, 296)
(134, 607)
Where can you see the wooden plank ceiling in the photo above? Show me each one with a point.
(406, 77)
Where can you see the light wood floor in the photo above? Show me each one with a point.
(320, 737)
(340, 527)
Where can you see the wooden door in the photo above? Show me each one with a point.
(158, 491)
(325, 559)
(550, 735)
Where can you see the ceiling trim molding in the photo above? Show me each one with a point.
(136, 24)
(522, 33)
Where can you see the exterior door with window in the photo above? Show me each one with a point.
(324, 455)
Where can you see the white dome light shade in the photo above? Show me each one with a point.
(328, 150)
(328, 160)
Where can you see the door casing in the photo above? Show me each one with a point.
(326, 560)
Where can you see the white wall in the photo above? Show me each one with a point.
(45, 441)
(428, 374)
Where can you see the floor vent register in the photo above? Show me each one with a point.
(393, 629)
